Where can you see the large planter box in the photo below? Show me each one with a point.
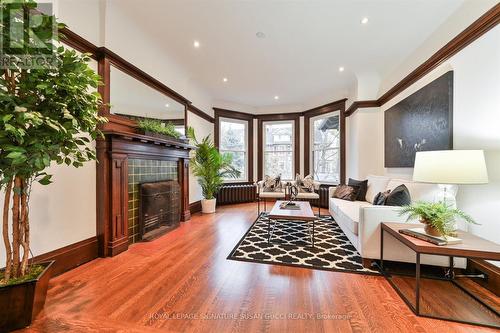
(21, 303)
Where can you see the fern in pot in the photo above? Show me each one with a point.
(210, 167)
(438, 217)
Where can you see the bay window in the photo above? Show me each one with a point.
(233, 140)
(325, 156)
(279, 149)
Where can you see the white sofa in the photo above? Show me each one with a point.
(360, 220)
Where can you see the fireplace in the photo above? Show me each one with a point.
(125, 161)
(159, 208)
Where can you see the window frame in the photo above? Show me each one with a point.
(311, 148)
(293, 150)
(245, 178)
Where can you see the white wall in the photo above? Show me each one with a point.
(476, 125)
(202, 128)
(64, 212)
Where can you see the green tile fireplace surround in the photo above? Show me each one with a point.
(141, 171)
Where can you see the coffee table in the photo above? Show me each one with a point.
(304, 214)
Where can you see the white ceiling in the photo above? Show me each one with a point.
(306, 42)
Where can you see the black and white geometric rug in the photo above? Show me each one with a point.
(291, 246)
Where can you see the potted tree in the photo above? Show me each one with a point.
(211, 167)
(48, 114)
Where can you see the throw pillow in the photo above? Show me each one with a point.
(305, 184)
(380, 198)
(363, 186)
(346, 192)
(400, 196)
(272, 184)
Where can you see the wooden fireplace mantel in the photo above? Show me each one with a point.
(113, 152)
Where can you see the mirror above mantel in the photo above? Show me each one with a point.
(136, 100)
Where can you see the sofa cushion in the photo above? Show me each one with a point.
(346, 192)
(380, 198)
(400, 196)
(347, 212)
(376, 184)
(362, 184)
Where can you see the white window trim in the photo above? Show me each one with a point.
(311, 143)
(264, 123)
(245, 124)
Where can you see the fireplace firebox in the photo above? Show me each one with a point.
(159, 208)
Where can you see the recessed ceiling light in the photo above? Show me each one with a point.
(364, 20)
(260, 34)
(196, 44)
(224, 79)
(167, 105)
(276, 97)
(341, 69)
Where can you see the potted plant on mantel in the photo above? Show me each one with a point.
(48, 114)
(159, 129)
(438, 217)
(211, 167)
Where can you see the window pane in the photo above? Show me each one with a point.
(238, 162)
(233, 141)
(326, 165)
(278, 154)
(279, 162)
(280, 133)
(232, 136)
(326, 144)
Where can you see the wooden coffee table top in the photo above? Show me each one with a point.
(305, 212)
(472, 246)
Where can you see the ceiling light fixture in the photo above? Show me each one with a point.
(260, 34)
(224, 79)
(276, 97)
(196, 44)
(364, 20)
(167, 105)
(341, 69)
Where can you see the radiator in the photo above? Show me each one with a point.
(237, 193)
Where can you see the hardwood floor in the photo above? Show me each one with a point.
(183, 282)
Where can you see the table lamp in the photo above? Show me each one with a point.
(450, 167)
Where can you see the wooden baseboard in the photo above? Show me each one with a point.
(195, 207)
(70, 256)
(492, 283)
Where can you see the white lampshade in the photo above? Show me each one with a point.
(450, 167)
